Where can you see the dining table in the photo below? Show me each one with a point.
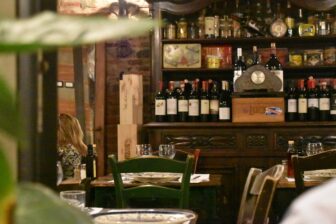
(205, 195)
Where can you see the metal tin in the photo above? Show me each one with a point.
(329, 55)
(306, 29)
(295, 58)
(313, 57)
(171, 31)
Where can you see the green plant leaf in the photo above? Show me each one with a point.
(50, 30)
(37, 204)
(9, 113)
(7, 198)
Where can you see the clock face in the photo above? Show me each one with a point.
(258, 77)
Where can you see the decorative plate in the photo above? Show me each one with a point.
(155, 177)
(144, 216)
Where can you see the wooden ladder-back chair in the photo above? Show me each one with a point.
(182, 155)
(151, 164)
(324, 160)
(258, 195)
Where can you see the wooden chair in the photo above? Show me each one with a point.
(182, 155)
(151, 164)
(324, 160)
(258, 195)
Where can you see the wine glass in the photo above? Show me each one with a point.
(167, 150)
(144, 150)
(314, 148)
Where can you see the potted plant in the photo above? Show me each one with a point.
(31, 202)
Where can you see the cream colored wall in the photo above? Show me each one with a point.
(8, 70)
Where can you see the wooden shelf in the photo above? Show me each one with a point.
(238, 125)
(257, 40)
(285, 68)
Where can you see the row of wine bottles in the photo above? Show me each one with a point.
(312, 103)
(185, 103)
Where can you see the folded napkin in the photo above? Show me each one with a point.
(290, 179)
(198, 178)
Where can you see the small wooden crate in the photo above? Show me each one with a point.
(131, 99)
(258, 109)
(128, 137)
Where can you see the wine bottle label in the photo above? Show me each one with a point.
(224, 113)
(209, 26)
(171, 106)
(205, 107)
(183, 106)
(214, 106)
(324, 104)
(279, 74)
(291, 105)
(193, 107)
(333, 105)
(302, 105)
(160, 107)
(313, 102)
(94, 168)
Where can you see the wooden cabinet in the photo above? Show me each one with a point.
(230, 149)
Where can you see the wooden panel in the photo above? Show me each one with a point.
(128, 137)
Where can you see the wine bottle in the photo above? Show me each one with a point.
(239, 66)
(274, 65)
(302, 101)
(214, 103)
(291, 102)
(205, 107)
(182, 103)
(160, 104)
(313, 101)
(91, 165)
(256, 56)
(193, 110)
(209, 23)
(171, 103)
(299, 20)
(324, 102)
(269, 16)
(225, 102)
(289, 20)
(333, 101)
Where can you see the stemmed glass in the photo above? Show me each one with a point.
(167, 150)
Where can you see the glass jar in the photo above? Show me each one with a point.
(201, 27)
(170, 31)
(182, 27)
(225, 27)
(192, 31)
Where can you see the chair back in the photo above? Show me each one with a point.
(320, 161)
(182, 155)
(151, 164)
(258, 195)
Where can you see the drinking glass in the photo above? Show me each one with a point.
(74, 197)
(314, 148)
(59, 173)
(143, 150)
(167, 150)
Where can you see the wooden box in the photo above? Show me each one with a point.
(258, 109)
(128, 137)
(131, 99)
(182, 56)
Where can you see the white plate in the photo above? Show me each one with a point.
(155, 177)
(151, 216)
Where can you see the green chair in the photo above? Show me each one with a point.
(151, 164)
